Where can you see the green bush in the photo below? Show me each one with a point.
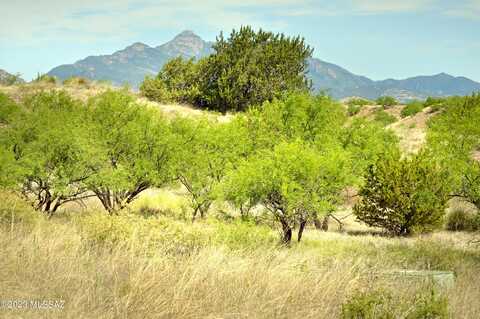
(435, 103)
(404, 196)
(8, 109)
(463, 220)
(368, 305)
(45, 78)
(353, 109)
(359, 102)
(412, 108)
(386, 101)
(378, 304)
(384, 118)
(76, 81)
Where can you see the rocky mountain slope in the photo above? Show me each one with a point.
(7, 78)
(133, 63)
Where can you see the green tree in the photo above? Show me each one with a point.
(251, 67)
(133, 149)
(176, 82)
(314, 119)
(46, 151)
(386, 101)
(404, 196)
(206, 150)
(293, 181)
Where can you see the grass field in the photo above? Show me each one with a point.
(132, 266)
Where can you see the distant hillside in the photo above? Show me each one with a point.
(6, 78)
(133, 63)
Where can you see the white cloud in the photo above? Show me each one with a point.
(468, 10)
(39, 21)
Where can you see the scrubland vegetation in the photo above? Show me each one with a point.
(124, 211)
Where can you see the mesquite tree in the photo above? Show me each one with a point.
(133, 149)
(47, 152)
(294, 181)
(205, 151)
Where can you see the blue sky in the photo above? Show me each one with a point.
(375, 38)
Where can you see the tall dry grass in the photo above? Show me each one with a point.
(53, 261)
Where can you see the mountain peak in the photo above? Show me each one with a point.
(186, 44)
(137, 46)
(186, 34)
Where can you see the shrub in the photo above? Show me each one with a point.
(45, 78)
(359, 102)
(462, 220)
(412, 108)
(353, 109)
(368, 305)
(384, 118)
(435, 103)
(76, 81)
(378, 304)
(8, 109)
(404, 196)
(386, 101)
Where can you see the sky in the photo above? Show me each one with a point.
(376, 38)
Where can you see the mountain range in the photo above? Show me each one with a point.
(133, 63)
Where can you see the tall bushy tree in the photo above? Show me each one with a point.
(454, 134)
(404, 196)
(47, 151)
(206, 150)
(314, 119)
(293, 181)
(250, 67)
(133, 149)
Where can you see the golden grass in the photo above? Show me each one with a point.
(309, 280)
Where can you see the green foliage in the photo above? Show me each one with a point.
(293, 181)
(317, 120)
(207, 150)
(470, 188)
(133, 149)
(454, 134)
(8, 109)
(176, 82)
(404, 196)
(412, 108)
(353, 109)
(386, 101)
(435, 103)
(367, 142)
(368, 305)
(246, 69)
(359, 102)
(380, 304)
(45, 78)
(463, 220)
(47, 150)
(76, 81)
(384, 118)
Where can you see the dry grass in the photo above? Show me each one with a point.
(309, 280)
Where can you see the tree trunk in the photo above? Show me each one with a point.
(301, 229)
(325, 221)
(287, 232)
